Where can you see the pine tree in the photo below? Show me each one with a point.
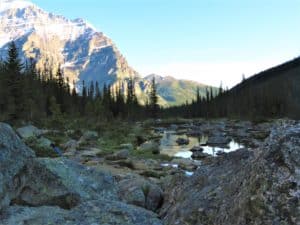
(13, 69)
(153, 99)
(97, 90)
(91, 91)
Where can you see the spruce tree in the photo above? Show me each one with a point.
(13, 69)
(153, 99)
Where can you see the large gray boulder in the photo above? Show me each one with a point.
(100, 212)
(14, 155)
(150, 146)
(256, 187)
(140, 192)
(64, 183)
(29, 132)
(88, 136)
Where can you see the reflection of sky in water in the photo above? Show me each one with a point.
(170, 147)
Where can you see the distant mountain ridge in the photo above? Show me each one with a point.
(177, 92)
(82, 52)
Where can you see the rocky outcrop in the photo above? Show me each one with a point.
(140, 192)
(29, 132)
(14, 155)
(259, 186)
(40, 191)
(100, 212)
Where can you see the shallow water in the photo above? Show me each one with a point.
(169, 146)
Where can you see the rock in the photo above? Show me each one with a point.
(220, 153)
(186, 164)
(90, 152)
(151, 146)
(14, 155)
(182, 141)
(260, 186)
(74, 134)
(41, 146)
(70, 145)
(197, 149)
(140, 192)
(159, 130)
(152, 174)
(123, 154)
(88, 136)
(260, 135)
(200, 155)
(63, 183)
(100, 212)
(29, 131)
(127, 146)
(120, 155)
(39, 191)
(218, 140)
(43, 142)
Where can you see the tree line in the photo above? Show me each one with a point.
(28, 94)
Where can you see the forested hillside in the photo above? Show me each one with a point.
(273, 93)
(31, 95)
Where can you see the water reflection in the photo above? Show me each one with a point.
(169, 146)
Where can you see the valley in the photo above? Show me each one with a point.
(86, 139)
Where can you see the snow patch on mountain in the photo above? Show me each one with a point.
(13, 4)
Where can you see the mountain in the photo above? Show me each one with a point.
(77, 47)
(83, 52)
(177, 92)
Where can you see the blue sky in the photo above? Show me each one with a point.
(205, 40)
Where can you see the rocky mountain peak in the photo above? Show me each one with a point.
(83, 52)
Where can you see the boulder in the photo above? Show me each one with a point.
(89, 152)
(88, 136)
(122, 154)
(43, 142)
(140, 192)
(70, 145)
(259, 186)
(186, 164)
(29, 131)
(218, 140)
(63, 183)
(197, 149)
(200, 155)
(150, 146)
(127, 146)
(100, 212)
(41, 146)
(14, 155)
(182, 141)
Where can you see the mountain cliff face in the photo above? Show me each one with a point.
(77, 47)
(82, 52)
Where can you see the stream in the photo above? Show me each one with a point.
(169, 146)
